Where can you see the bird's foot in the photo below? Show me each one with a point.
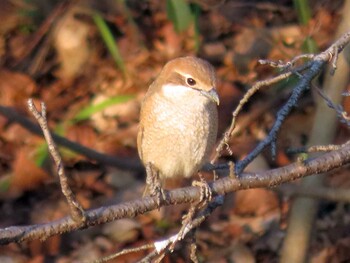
(206, 194)
(159, 193)
(153, 184)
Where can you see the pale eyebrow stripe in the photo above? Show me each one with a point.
(186, 75)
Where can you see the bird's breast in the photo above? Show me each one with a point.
(179, 131)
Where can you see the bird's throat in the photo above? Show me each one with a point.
(176, 91)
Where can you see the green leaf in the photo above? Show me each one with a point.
(304, 15)
(309, 45)
(88, 111)
(179, 12)
(5, 183)
(303, 10)
(109, 40)
(41, 154)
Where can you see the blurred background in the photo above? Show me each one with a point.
(92, 61)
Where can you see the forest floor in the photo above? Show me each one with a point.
(53, 51)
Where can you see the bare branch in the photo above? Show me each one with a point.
(123, 252)
(317, 63)
(223, 144)
(322, 164)
(285, 65)
(227, 135)
(318, 148)
(122, 163)
(76, 210)
(341, 113)
(81, 219)
(188, 225)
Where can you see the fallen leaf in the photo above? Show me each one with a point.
(26, 174)
(255, 202)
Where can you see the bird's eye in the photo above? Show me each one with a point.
(191, 81)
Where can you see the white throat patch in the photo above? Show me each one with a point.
(173, 90)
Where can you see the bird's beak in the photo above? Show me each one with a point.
(212, 94)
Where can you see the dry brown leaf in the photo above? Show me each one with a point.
(51, 247)
(295, 128)
(171, 45)
(91, 181)
(229, 97)
(339, 179)
(257, 202)
(37, 259)
(26, 174)
(15, 89)
(322, 256)
(82, 134)
(346, 102)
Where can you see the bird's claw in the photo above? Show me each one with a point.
(159, 193)
(206, 195)
(154, 186)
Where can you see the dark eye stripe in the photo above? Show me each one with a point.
(177, 79)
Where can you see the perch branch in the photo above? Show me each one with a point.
(322, 164)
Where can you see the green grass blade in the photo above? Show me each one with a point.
(109, 40)
(303, 10)
(310, 45)
(88, 111)
(179, 12)
(5, 183)
(304, 15)
(41, 154)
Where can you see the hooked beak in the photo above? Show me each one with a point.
(212, 94)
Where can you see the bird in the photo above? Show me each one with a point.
(178, 121)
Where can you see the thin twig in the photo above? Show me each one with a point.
(285, 65)
(281, 115)
(318, 148)
(218, 188)
(317, 63)
(227, 135)
(224, 142)
(341, 113)
(123, 252)
(188, 225)
(122, 163)
(76, 210)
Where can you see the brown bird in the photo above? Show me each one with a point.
(178, 120)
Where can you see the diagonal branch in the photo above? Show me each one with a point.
(318, 63)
